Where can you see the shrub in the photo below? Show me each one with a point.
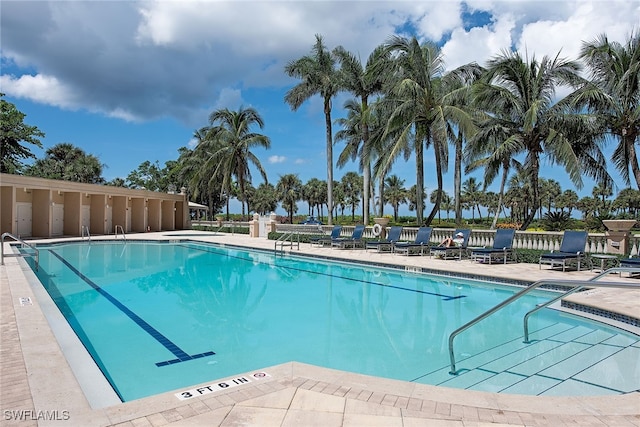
(556, 221)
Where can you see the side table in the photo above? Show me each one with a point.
(605, 259)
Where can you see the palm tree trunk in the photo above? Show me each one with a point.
(420, 181)
(436, 206)
(365, 197)
(457, 179)
(327, 119)
(381, 200)
(535, 168)
(503, 183)
(633, 160)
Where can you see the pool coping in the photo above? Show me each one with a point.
(53, 386)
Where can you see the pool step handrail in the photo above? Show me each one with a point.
(85, 231)
(287, 239)
(35, 254)
(119, 227)
(574, 285)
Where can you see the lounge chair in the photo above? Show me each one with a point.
(353, 241)
(447, 252)
(326, 240)
(387, 244)
(418, 246)
(571, 250)
(501, 249)
(631, 262)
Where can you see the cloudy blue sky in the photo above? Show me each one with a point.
(130, 81)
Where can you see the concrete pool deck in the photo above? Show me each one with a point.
(38, 386)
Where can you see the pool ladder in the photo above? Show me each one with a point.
(574, 285)
(35, 254)
(119, 227)
(287, 239)
(85, 231)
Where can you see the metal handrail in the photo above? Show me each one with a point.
(124, 237)
(84, 227)
(282, 239)
(18, 239)
(576, 286)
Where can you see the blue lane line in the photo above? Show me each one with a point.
(181, 356)
(443, 296)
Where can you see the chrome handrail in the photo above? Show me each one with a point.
(576, 285)
(82, 233)
(18, 239)
(124, 237)
(284, 238)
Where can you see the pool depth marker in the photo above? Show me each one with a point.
(181, 356)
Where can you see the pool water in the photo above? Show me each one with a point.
(157, 317)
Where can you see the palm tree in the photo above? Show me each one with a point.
(265, 199)
(200, 186)
(363, 82)
(613, 96)
(289, 190)
(228, 149)
(492, 150)
(522, 96)
(471, 194)
(319, 77)
(395, 194)
(549, 191)
(67, 162)
(423, 107)
(351, 184)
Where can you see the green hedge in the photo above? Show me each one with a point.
(236, 230)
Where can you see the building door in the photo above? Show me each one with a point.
(24, 218)
(109, 219)
(86, 217)
(57, 227)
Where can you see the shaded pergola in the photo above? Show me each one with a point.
(200, 211)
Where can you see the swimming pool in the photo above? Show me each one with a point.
(163, 316)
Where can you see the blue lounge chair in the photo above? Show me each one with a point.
(326, 240)
(446, 252)
(387, 244)
(502, 247)
(631, 262)
(418, 246)
(571, 250)
(353, 241)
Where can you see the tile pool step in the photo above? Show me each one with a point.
(558, 361)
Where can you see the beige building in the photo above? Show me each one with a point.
(40, 208)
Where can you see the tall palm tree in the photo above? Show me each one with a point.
(395, 194)
(472, 194)
(227, 149)
(421, 109)
(319, 77)
(522, 96)
(289, 190)
(363, 82)
(613, 95)
(492, 150)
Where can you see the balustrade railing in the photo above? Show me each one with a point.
(537, 240)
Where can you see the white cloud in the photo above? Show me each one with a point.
(435, 19)
(277, 159)
(299, 161)
(478, 44)
(39, 88)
